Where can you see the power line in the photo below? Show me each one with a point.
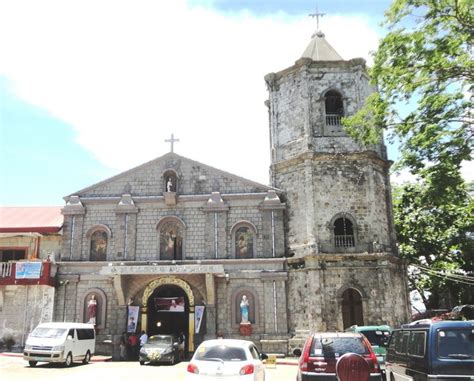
(443, 273)
(447, 277)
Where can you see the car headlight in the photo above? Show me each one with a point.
(58, 348)
(28, 347)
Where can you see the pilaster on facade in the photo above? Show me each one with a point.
(74, 213)
(125, 237)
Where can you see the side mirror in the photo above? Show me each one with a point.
(297, 352)
(176, 345)
(69, 337)
(263, 356)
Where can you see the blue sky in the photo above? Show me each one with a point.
(89, 89)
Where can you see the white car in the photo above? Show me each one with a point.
(226, 359)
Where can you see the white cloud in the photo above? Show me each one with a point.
(127, 74)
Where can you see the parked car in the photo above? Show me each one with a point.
(321, 351)
(161, 348)
(378, 336)
(426, 350)
(232, 360)
(60, 343)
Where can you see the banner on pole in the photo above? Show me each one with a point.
(132, 319)
(199, 314)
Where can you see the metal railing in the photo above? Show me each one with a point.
(333, 119)
(344, 240)
(6, 269)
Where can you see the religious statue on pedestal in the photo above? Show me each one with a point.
(169, 185)
(92, 310)
(245, 327)
(244, 310)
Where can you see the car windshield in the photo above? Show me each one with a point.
(377, 337)
(337, 346)
(50, 333)
(160, 340)
(456, 343)
(222, 352)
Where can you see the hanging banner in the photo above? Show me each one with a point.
(199, 314)
(28, 270)
(132, 319)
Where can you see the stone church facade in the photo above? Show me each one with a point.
(314, 251)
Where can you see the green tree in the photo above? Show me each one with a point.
(424, 73)
(435, 235)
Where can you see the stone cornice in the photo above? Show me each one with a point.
(320, 157)
(307, 63)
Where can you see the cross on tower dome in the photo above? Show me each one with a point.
(317, 15)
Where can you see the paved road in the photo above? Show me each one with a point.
(14, 368)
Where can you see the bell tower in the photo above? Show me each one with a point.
(338, 191)
(339, 227)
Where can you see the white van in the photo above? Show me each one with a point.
(60, 342)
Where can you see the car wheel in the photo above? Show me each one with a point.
(33, 363)
(68, 361)
(392, 378)
(142, 362)
(87, 358)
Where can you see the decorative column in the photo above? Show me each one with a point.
(216, 207)
(272, 210)
(125, 237)
(211, 305)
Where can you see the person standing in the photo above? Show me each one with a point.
(133, 346)
(123, 346)
(143, 339)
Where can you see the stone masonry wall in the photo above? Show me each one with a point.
(193, 178)
(314, 293)
(143, 236)
(22, 308)
(333, 186)
(297, 108)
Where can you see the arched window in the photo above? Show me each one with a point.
(170, 180)
(99, 243)
(171, 240)
(243, 240)
(334, 108)
(352, 312)
(343, 233)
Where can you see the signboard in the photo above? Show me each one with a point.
(168, 269)
(271, 361)
(175, 304)
(28, 270)
(199, 313)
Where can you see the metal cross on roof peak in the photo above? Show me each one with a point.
(317, 14)
(171, 140)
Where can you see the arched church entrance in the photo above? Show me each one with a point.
(168, 308)
(352, 313)
(168, 311)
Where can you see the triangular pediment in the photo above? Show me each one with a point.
(194, 178)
